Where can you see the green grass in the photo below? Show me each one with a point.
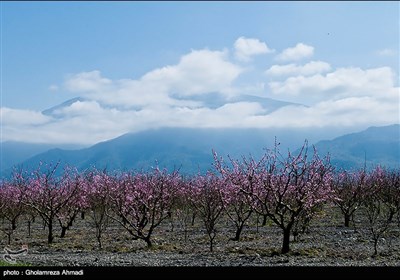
(4, 263)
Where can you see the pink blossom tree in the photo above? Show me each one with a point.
(287, 189)
(12, 195)
(48, 196)
(378, 209)
(205, 196)
(183, 209)
(391, 192)
(21, 180)
(71, 185)
(142, 201)
(350, 190)
(11, 207)
(97, 201)
(237, 204)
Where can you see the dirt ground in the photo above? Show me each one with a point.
(327, 243)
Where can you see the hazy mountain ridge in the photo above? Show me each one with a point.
(373, 146)
(13, 153)
(190, 149)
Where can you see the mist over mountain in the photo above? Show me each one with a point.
(190, 149)
(53, 111)
(13, 153)
(213, 101)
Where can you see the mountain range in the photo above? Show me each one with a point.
(371, 147)
(190, 149)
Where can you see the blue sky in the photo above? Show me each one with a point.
(113, 54)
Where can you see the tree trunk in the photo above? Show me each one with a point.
(193, 218)
(63, 231)
(286, 241)
(264, 222)
(148, 242)
(14, 224)
(295, 235)
(375, 246)
(347, 220)
(186, 234)
(211, 236)
(237, 234)
(98, 236)
(391, 215)
(29, 228)
(50, 236)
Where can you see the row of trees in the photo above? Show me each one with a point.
(289, 190)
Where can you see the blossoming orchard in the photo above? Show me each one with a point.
(291, 191)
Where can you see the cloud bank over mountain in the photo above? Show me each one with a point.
(318, 95)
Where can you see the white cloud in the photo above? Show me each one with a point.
(173, 96)
(387, 52)
(19, 117)
(347, 112)
(245, 48)
(91, 123)
(87, 82)
(79, 123)
(311, 68)
(343, 82)
(132, 94)
(198, 72)
(298, 52)
(79, 108)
